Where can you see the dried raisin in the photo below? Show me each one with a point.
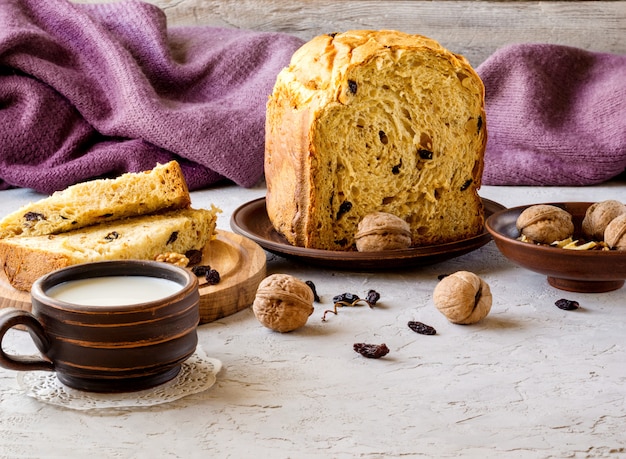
(313, 289)
(425, 154)
(352, 86)
(466, 185)
(34, 217)
(421, 328)
(194, 256)
(371, 351)
(372, 297)
(383, 137)
(567, 305)
(343, 208)
(346, 298)
(172, 238)
(212, 277)
(201, 270)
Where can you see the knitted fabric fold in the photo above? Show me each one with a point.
(91, 91)
(556, 115)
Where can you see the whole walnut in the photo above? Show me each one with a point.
(545, 223)
(598, 216)
(463, 297)
(381, 231)
(283, 303)
(615, 233)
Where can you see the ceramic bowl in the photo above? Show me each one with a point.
(106, 347)
(588, 271)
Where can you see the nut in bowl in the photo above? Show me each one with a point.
(589, 271)
(102, 342)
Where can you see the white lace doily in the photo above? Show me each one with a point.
(197, 374)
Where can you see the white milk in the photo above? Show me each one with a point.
(114, 290)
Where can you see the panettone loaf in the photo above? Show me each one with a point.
(25, 258)
(368, 121)
(98, 201)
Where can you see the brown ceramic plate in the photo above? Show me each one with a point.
(571, 270)
(251, 220)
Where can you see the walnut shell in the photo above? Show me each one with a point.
(545, 224)
(598, 216)
(380, 231)
(463, 297)
(615, 233)
(283, 303)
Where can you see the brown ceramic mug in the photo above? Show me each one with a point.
(109, 346)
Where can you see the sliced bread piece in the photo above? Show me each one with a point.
(99, 201)
(23, 259)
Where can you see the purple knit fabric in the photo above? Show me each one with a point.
(96, 90)
(556, 115)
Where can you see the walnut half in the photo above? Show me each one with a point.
(463, 297)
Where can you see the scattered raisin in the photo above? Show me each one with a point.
(567, 305)
(113, 235)
(466, 185)
(195, 256)
(212, 277)
(395, 170)
(34, 217)
(442, 276)
(312, 287)
(421, 328)
(372, 297)
(383, 137)
(425, 154)
(352, 86)
(343, 208)
(371, 351)
(201, 270)
(172, 238)
(346, 298)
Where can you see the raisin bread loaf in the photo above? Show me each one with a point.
(368, 121)
(25, 258)
(98, 201)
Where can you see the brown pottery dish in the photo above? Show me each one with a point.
(251, 220)
(104, 347)
(588, 271)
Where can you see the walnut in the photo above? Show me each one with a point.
(544, 223)
(599, 215)
(380, 231)
(283, 303)
(173, 258)
(463, 297)
(615, 233)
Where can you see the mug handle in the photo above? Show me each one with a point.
(11, 317)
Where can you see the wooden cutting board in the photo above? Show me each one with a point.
(240, 262)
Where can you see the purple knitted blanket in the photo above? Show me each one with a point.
(556, 115)
(96, 90)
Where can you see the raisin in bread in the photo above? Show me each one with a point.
(98, 201)
(25, 258)
(368, 121)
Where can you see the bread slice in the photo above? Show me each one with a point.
(23, 259)
(99, 201)
(368, 121)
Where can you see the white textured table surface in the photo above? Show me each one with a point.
(530, 381)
